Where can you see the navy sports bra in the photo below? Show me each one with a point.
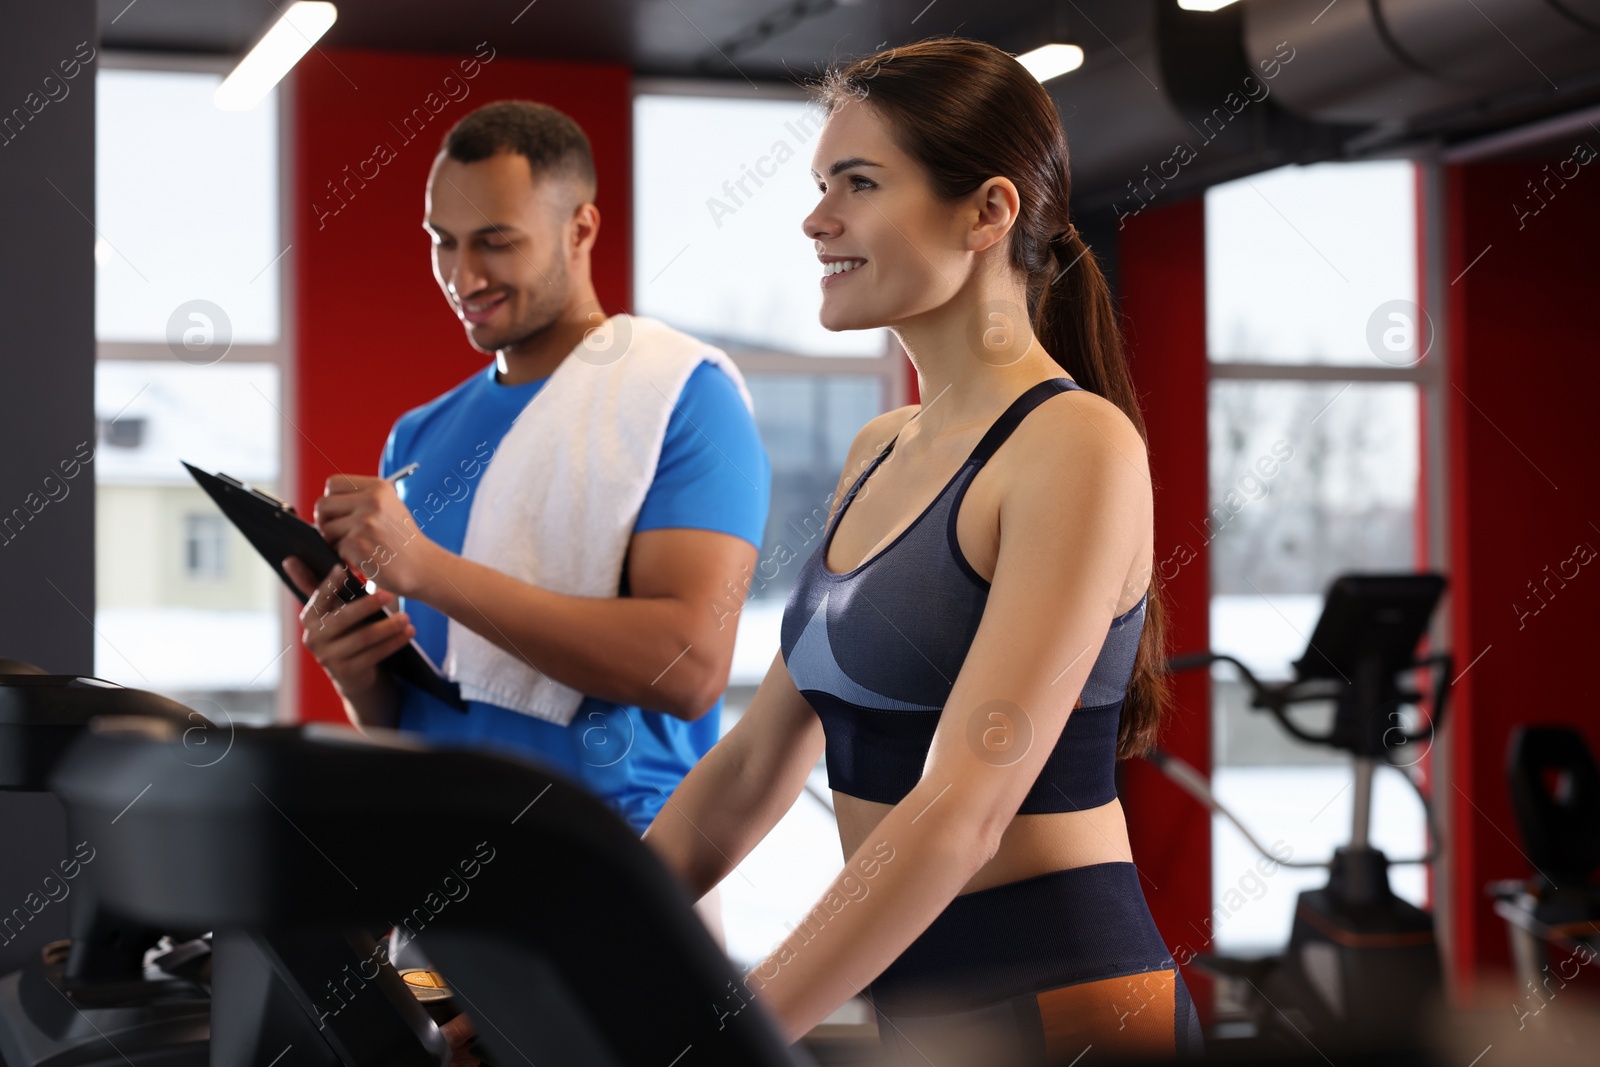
(876, 650)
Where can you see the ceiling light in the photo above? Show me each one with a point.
(1052, 60)
(274, 55)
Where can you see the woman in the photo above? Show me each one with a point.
(938, 638)
(977, 638)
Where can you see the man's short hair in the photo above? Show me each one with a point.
(552, 143)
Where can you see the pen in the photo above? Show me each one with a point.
(409, 468)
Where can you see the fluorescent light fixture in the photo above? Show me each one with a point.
(291, 37)
(1204, 5)
(1052, 60)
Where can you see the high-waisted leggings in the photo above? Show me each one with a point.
(1064, 967)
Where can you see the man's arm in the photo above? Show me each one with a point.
(668, 644)
(667, 647)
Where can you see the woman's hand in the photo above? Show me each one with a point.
(460, 1034)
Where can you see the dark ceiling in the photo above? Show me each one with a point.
(1363, 77)
(763, 40)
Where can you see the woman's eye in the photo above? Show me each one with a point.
(853, 179)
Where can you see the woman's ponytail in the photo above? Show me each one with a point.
(1076, 323)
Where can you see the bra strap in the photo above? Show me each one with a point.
(850, 494)
(1013, 415)
(992, 440)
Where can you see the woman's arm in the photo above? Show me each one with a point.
(1073, 518)
(739, 790)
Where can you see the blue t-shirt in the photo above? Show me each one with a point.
(713, 474)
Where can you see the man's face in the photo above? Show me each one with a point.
(500, 246)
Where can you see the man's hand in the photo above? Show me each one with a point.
(459, 1033)
(330, 629)
(364, 519)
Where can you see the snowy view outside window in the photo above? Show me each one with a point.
(186, 205)
(184, 606)
(1298, 258)
(186, 313)
(1309, 479)
(719, 250)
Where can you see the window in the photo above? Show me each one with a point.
(1314, 442)
(184, 606)
(186, 204)
(121, 432)
(204, 547)
(1300, 259)
(718, 247)
(719, 252)
(189, 272)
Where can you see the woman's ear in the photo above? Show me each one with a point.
(995, 204)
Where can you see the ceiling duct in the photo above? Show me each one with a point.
(1168, 102)
(1396, 61)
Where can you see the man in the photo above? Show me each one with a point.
(510, 208)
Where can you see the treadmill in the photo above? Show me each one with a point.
(560, 933)
(118, 991)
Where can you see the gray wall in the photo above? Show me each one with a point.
(46, 399)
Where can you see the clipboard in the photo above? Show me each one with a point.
(276, 531)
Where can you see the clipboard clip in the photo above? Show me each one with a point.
(276, 502)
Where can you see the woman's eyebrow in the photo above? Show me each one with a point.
(846, 164)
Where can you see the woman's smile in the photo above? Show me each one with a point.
(836, 268)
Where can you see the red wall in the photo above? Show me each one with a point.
(1163, 303)
(373, 333)
(1522, 391)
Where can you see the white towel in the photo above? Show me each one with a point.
(556, 506)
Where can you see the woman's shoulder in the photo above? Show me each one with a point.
(1077, 442)
(1079, 422)
(876, 434)
(871, 439)
(881, 429)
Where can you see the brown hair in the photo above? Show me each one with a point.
(967, 111)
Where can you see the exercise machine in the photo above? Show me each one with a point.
(1555, 794)
(1360, 961)
(562, 935)
(234, 903)
(117, 991)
